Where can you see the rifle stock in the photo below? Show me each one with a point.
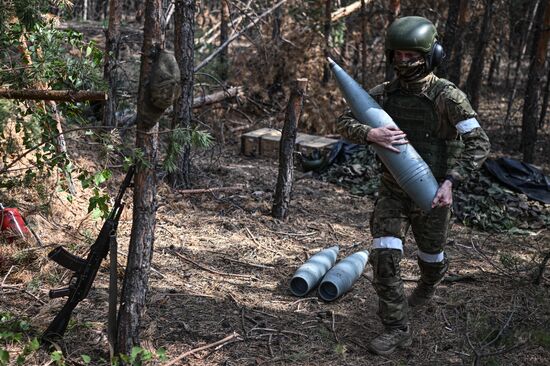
(84, 270)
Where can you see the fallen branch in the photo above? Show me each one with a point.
(221, 342)
(18, 288)
(217, 96)
(346, 10)
(209, 190)
(211, 270)
(57, 95)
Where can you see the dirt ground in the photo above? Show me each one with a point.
(222, 265)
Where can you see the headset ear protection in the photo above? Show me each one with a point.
(435, 56)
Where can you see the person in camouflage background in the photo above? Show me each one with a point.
(438, 120)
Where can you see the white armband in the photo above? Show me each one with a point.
(467, 125)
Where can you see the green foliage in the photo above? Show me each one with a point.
(86, 359)
(29, 11)
(98, 203)
(57, 358)
(59, 58)
(4, 357)
(338, 33)
(140, 356)
(12, 331)
(33, 52)
(180, 138)
(341, 349)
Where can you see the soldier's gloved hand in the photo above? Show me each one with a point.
(387, 137)
(444, 195)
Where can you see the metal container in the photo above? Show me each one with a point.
(342, 276)
(310, 273)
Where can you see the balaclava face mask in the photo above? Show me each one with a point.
(411, 70)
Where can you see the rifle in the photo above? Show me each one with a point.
(85, 270)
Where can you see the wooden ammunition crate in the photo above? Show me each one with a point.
(309, 146)
(269, 144)
(250, 141)
(265, 142)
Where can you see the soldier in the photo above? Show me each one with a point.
(438, 120)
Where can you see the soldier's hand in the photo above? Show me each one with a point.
(387, 137)
(444, 195)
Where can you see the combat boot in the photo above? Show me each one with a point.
(431, 276)
(390, 340)
(422, 294)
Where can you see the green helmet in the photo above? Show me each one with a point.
(415, 33)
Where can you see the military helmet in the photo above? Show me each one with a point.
(415, 33)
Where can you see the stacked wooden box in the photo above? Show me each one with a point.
(265, 142)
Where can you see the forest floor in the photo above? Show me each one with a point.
(222, 265)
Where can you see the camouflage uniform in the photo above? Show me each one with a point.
(442, 126)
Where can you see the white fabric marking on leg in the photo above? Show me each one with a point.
(387, 242)
(467, 125)
(430, 258)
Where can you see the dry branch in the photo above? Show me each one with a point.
(346, 10)
(237, 35)
(209, 190)
(235, 336)
(211, 270)
(217, 96)
(57, 95)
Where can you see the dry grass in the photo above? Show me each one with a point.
(189, 305)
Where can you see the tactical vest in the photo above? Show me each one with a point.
(416, 115)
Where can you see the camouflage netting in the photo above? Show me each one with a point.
(481, 202)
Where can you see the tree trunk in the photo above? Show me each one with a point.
(536, 73)
(184, 19)
(495, 64)
(276, 33)
(85, 10)
(110, 71)
(279, 64)
(326, 33)
(224, 35)
(523, 47)
(545, 98)
(283, 190)
(448, 40)
(395, 9)
(347, 31)
(455, 65)
(473, 83)
(364, 45)
(134, 289)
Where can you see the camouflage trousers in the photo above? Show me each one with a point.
(393, 214)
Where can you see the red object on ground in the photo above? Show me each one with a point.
(13, 226)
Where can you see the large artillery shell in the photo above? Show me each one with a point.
(311, 272)
(342, 276)
(407, 167)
